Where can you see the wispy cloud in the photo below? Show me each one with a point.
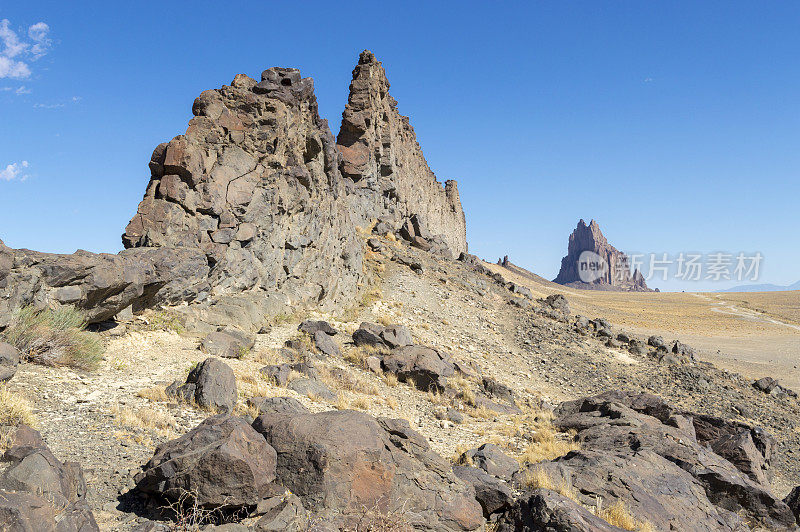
(48, 105)
(17, 54)
(15, 171)
(22, 90)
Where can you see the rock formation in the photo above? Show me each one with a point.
(254, 184)
(593, 263)
(386, 173)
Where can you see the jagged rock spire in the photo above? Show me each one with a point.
(617, 274)
(385, 170)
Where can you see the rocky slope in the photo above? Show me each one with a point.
(388, 177)
(587, 249)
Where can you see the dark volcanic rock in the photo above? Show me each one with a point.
(546, 510)
(389, 177)
(227, 343)
(339, 462)
(326, 344)
(493, 494)
(211, 384)
(9, 360)
(638, 448)
(616, 274)
(312, 326)
(427, 367)
(38, 492)
(492, 460)
(772, 387)
(222, 462)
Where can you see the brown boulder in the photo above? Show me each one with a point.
(340, 462)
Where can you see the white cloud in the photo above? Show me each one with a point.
(48, 105)
(14, 171)
(22, 90)
(15, 53)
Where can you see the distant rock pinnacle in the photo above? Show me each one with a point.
(616, 274)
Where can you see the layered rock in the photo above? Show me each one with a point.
(254, 183)
(591, 262)
(386, 172)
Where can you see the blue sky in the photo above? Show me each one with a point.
(674, 124)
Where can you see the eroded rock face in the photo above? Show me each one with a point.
(340, 462)
(388, 177)
(255, 184)
(617, 274)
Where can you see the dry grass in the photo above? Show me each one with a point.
(164, 321)
(54, 338)
(537, 478)
(391, 380)
(157, 394)
(463, 390)
(14, 409)
(391, 402)
(459, 456)
(144, 418)
(547, 449)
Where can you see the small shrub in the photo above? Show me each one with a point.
(54, 337)
(165, 321)
(144, 418)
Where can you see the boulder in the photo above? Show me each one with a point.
(638, 448)
(341, 461)
(312, 388)
(312, 326)
(277, 373)
(368, 334)
(793, 502)
(558, 302)
(281, 405)
(656, 341)
(39, 492)
(9, 360)
(396, 336)
(543, 509)
(493, 494)
(427, 367)
(223, 463)
(211, 384)
(227, 343)
(492, 460)
(772, 387)
(497, 389)
(281, 514)
(326, 345)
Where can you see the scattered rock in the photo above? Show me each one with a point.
(326, 344)
(312, 388)
(279, 514)
(227, 343)
(497, 389)
(211, 384)
(222, 462)
(311, 327)
(278, 405)
(772, 387)
(427, 367)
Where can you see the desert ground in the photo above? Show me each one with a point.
(756, 334)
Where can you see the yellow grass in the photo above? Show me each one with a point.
(155, 394)
(537, 478)
(14, 409)
(144, 418)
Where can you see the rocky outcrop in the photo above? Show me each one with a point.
(9, 360)
(39, 492)
(592, 263)
(255, 184)
(101, 285)
(341, 462)
(387, 176)
(663, 464)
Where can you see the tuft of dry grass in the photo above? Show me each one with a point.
(391, 380)
(164, 321)
(460, 457)
(54, 337)
(14, 409)
(547, 450)
(537, 478)
(391, 402)
(157, 394)
(618, 515)
(144, 418)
